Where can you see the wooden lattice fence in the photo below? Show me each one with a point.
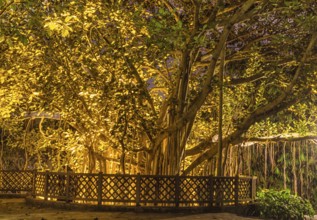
(16, 181)
(131, 190)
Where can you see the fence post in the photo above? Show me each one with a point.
(34, 183)
(46, 185)
(99, 193)
(211, 190)
(253, 187)
(236, 191)
(138, 189)
(177, 190)
(67, 186)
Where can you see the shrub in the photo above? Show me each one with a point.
(283, 205)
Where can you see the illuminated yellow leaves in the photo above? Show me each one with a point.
(53, 25)
(89, 10)
(61, 25)
(58, 27)
(2, 38)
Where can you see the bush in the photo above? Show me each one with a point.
(283, 205)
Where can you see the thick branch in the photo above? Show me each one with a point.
(234, 138)
(279, 138)
(206, 88)
(201, 147)
(252, 78)
(288, 90)
(171, 10)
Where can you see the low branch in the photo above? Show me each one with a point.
(201, 147)
(280, 138)
(235, 137)
(252, 78)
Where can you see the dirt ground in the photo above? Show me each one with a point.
(16, 209)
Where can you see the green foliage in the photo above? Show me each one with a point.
(282, 205)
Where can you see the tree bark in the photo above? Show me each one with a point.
(265, 166)
(2, 148)
(220, 114)
(284, 167)
(187, 113)
(293, 147)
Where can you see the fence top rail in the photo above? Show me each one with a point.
(131, 175)
(16, 171)
(247, 177)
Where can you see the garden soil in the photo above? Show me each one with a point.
(16, 209)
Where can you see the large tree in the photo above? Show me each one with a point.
(143, 77)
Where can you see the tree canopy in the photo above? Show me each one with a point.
(139, 82)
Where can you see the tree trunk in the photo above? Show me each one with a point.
(294, 167)
(265, 166)
(224, 164)
(220, 114)
(284, 167)
(122, 162)
(249, 159)
(2, 148)
(300, 170)
(272, 157)
(307, 170)
(91, 160)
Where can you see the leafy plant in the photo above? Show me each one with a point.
(283, 205)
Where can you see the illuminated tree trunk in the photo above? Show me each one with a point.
(284, 166)
(182, 109)
(249, 159)
(2, 148)
(272, 157)
(237, 161)
(231, 168)
(307, 169)
(224, 164)
(300, 170)
(167, 157)
(293, 147)
(91, 160)
(220, 115)
(265, 165)
(122, 162)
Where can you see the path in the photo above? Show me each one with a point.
(15, 209)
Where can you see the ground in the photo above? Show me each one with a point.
(16, 209)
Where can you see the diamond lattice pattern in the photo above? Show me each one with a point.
(223, 189)
(83, 186)
(57, 185)
(157, 189)
(16, 180)
(39, 184)
(245, 189)
(194, 189)
(119, 188)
